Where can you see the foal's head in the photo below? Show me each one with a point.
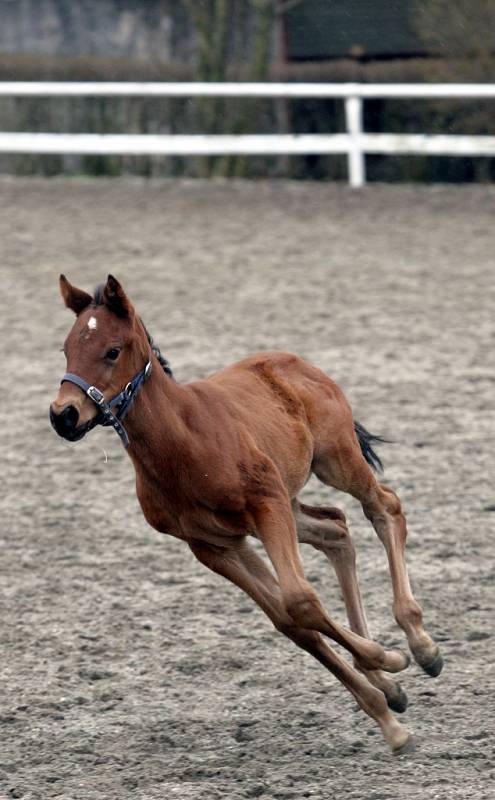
(106, 346)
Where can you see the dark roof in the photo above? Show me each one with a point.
(339, 28)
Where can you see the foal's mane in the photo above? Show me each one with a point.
(165, 364)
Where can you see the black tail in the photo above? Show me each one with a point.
(366, 439)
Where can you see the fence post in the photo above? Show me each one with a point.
(355, 157)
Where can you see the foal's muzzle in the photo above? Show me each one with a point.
(65, 423)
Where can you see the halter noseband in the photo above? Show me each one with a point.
(122, 401)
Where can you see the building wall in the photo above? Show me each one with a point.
(323, 29)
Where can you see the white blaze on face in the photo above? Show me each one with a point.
(92, 323)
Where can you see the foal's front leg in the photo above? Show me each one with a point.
(276, 528)
(241, 565)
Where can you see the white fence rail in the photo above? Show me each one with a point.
(355, 142)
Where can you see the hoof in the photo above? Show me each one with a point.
(409, 746)
(434, 667)
(398, 701)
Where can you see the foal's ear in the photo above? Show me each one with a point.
(116, 299)
(75, 299)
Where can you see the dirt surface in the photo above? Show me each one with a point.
(128, 670)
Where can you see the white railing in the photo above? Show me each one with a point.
(355, 143)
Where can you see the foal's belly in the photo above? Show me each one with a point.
(221, 529)
(193, 521)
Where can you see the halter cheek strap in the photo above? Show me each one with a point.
(122, 401)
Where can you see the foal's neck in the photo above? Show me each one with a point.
(155, 424)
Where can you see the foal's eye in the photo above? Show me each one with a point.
(112, 354)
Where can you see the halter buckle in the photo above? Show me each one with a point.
(95, 395)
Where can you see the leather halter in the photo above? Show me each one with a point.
(122, 401)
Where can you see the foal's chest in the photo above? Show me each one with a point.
(161, 508)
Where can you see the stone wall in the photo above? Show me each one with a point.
(150, 30)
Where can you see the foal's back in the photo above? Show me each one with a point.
(294, 412)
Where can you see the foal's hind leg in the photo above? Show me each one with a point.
(242, 565)
(276, 528)
(382, 507)
(326, 530)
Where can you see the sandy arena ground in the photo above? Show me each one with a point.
(128, 670)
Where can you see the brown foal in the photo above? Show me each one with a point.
(223, 458)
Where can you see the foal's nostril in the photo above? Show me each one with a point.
(71, 416)
(65, 423)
